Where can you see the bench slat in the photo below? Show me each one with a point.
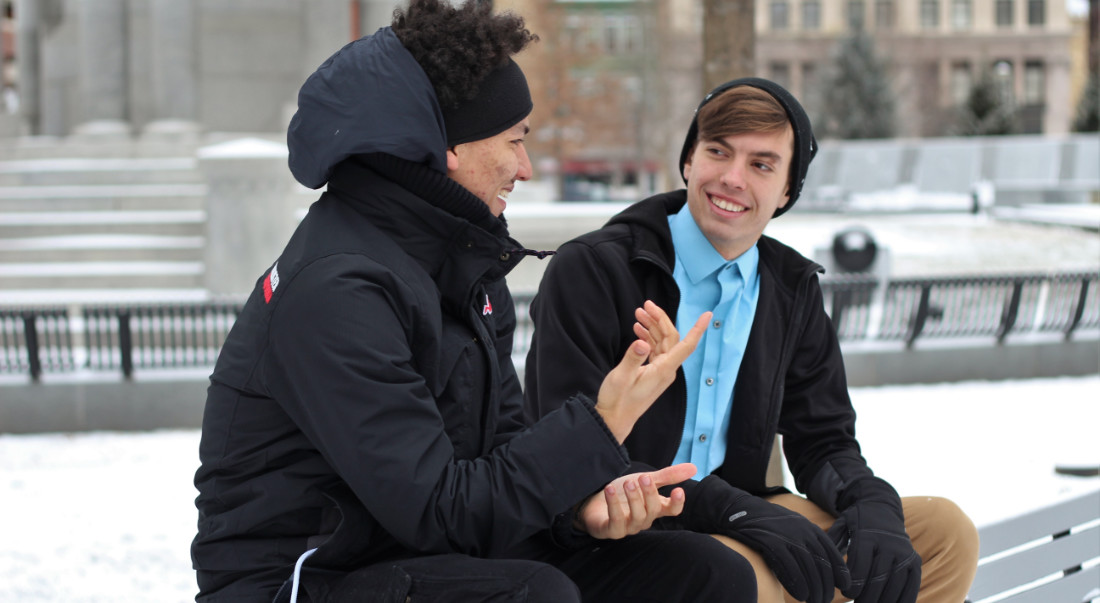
(1051, 520)
(1034, 563)
(1071, 589)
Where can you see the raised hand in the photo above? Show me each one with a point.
(632, 386)
(632, 503)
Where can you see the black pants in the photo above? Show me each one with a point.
(651, 567)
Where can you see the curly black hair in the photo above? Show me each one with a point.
(458, 46)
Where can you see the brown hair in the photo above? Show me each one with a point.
(741, 110)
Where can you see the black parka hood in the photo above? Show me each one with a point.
(369, 97)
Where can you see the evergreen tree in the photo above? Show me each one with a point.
(857, 99)
(988, 110)
(1088, 108)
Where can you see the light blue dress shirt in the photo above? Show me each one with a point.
(729, 289)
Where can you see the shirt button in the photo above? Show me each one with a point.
(717, 324)
(710, 381)
(703, 438)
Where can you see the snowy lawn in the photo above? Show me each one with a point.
(109, 517)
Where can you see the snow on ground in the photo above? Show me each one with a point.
(109, 517)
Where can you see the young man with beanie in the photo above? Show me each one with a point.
(363, 436)
(769, 363)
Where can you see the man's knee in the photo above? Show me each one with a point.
(550, 585)
(942, 533)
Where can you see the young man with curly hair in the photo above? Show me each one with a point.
(363, 437)
(769, 363)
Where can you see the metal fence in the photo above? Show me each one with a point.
(113, 338)
(126, 338)
(975, 306)
(863, 308)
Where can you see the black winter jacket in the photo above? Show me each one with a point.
(791, 379)
(365, 401)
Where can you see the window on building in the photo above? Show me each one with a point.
(811, 15)
(612, 37)
(620, 34)
(632, 31)
(809, 78)
(1003, 15)
(884, 14)
(575, 27)
(1005, 79)
(961, 14)
(780, 73)
(1034, 83)
(588, 87)
(1036, 12)
(855, 15)
(929, 14)
(962, 80)
(810, 93)
(780, 15)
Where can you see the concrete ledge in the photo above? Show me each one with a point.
(946, 361)
(113, 405)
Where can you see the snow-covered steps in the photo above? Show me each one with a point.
(92, 274)
(90, 170)
(58, 223)
(99, 247)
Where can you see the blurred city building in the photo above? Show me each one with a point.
(615, 81)
(619, 78)
(937, 49)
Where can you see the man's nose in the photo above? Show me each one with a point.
(734, 176)
(525, 172)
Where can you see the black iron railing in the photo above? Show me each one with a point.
(122, 338)
(125, 338)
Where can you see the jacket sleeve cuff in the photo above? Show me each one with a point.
(841, 483)
(707, 502)
(590, 406)
(565, 535)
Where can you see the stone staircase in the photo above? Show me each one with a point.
(87, 220)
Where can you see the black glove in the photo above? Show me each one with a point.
(884, 567)
(806, 562)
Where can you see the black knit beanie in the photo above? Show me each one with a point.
(502, 101)
(805, 146)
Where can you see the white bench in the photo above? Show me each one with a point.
(1050, 555)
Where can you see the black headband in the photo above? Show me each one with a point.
(502, 101)
(805, 146)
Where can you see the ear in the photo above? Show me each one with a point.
(452, 160)
(783, 201)
(687, 164)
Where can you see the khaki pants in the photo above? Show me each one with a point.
(942, 535)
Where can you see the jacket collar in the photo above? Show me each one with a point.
(652, 239)
(448, 231)
(648, 224)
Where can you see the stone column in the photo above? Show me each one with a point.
(376, 13)
(173, 77)
(102, 68)
(250, 212)
(28, 53)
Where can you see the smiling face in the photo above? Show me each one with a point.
(734, 185)
(489, 167)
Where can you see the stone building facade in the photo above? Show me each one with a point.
(614, 81)
(936, 50)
